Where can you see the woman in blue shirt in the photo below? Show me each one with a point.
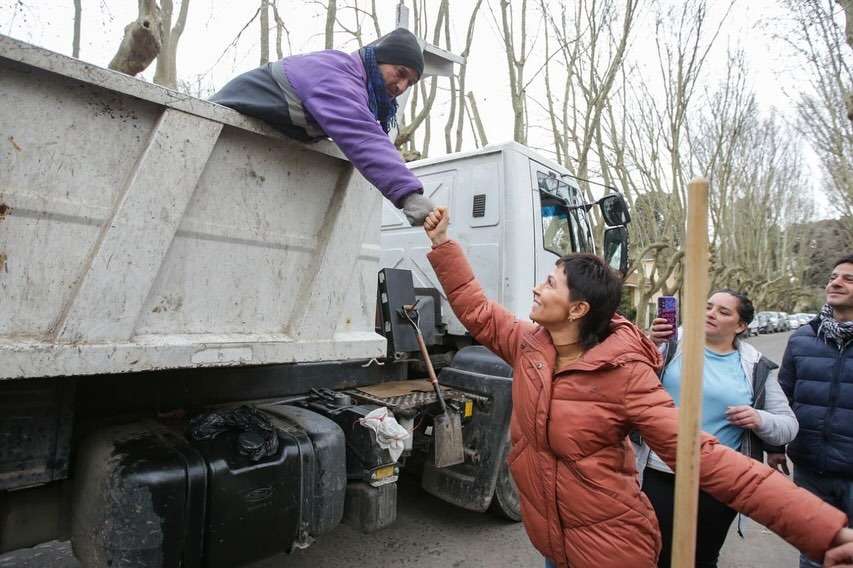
(742, 406)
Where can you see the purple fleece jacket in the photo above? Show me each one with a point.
(332, 86)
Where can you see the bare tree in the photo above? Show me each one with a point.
(349, 19)
(407, 130)
(78, 15)
(280, 32)
(515, 64)
(592, 43)
(643, 144)
(475, 118)
(265, 31)
(331, 16)
(847, 6)
(463, 68)
(757, 174)
(142, 40)
(166, 73)
(824, 115)
(151, 36)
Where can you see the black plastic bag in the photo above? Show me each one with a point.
(257, 439)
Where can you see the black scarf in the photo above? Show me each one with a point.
(383, 107)
(830, 329)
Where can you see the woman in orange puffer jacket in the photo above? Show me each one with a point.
(582, 379)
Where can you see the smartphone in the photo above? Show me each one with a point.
(668, 310)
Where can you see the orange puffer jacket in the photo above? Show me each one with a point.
(580, 499)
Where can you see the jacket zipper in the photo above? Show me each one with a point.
(834, 388)
(757, 394)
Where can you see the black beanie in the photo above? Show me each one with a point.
(400, 47)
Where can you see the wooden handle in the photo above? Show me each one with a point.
(425, 356)
(690, 409)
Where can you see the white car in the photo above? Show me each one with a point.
(794, 321)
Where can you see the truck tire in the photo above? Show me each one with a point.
(505, 501)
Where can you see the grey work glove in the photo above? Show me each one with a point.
(416, 208)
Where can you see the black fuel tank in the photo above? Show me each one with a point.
(146, 496)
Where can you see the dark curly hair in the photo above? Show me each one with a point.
(591, 280)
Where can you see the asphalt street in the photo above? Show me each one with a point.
(430, 533)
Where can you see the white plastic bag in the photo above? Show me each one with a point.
(389, 434)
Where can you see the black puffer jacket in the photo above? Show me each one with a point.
(817, 377)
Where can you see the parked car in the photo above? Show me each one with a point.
(772, 323)
(794, 321)
(754, 327)
(805, 318)
(764, 324)
(782, 321)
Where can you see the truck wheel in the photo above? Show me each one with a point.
(505, 501)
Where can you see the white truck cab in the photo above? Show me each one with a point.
(514, 212)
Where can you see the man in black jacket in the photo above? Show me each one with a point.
(817, 377)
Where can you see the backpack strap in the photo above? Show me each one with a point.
(669, 354)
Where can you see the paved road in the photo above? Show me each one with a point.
(761, 548)
(431, 534)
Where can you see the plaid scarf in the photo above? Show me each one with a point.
(383, 107)
(830, 329)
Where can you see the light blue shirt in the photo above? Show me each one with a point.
(724, 384)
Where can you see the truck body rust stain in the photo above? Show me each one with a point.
(4, 210)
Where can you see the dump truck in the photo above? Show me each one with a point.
(199, 318)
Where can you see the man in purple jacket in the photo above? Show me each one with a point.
(351, 98)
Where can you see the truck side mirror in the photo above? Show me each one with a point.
(616, 248)
(614, 209)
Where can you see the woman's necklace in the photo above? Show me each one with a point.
(563, 358)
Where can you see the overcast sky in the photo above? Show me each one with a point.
(213, 24)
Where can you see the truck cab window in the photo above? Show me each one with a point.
(565, 225)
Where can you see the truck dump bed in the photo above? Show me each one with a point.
(143, 229)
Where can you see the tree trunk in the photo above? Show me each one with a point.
(475, 114)
(451, 115)
(516, 68)
(463, 69)
(847, 6)
(167, 68)
(142, 40)
(331, 14)
(78, 14)
(406, 132)
(265, 32)
(280, 31)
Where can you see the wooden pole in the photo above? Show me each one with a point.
(690, 408)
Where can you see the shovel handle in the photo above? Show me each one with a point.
(430, 370)
(425, 356)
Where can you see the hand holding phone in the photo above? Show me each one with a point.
(667, 311)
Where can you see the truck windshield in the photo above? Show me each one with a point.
(564, 229)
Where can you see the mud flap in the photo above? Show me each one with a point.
(471, 485)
